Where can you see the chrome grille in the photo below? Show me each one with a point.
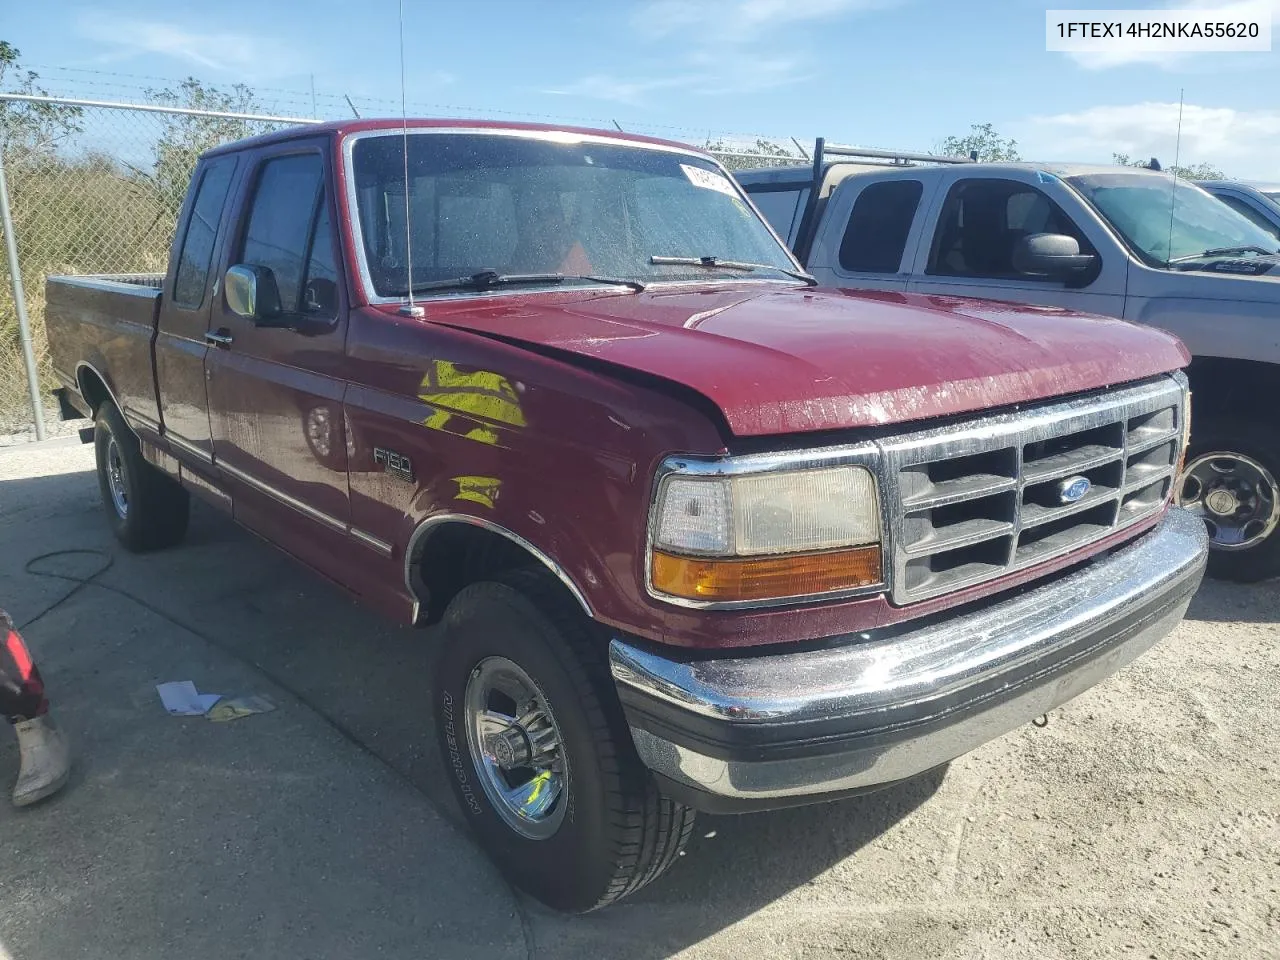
(973, 501)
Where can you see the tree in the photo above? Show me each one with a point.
(185, 137)
(983, 140)
(28, 129)
(743, 156)
(1200, 171)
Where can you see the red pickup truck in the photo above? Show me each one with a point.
(700, 536)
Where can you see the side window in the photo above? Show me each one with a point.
(782, 208)
(202, 230)
(982, 222)
(320, 289)
(876, 237)
(1246, 209)
(280, 221)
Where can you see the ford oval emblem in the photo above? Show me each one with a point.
(1073, 489)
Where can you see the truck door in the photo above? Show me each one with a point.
(870, 232)
(276, 384)
(184, 311)
(978, 222)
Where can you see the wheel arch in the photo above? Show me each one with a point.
(1227, 385)
(93, 387)
(447, 551)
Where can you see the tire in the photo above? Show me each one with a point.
(1223, 448)
(616, 832)
(146, 509)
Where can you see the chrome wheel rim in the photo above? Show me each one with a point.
(1236, 497)
(115, 479)
(516, 748)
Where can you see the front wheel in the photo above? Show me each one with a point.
(1230, 482)
(538, 752)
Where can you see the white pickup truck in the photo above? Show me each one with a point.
(1118, 241)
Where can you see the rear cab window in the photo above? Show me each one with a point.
(202, 231)
(875, 238)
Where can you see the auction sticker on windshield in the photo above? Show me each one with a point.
(708, 179)
(1241, 26)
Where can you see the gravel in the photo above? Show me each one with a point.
(1143, 821)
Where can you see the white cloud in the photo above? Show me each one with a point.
(739, 20)
(729, 47)
(1243, 143)
(1128, 55)
(599, 86)
(244, 55)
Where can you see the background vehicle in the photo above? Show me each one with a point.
(1257, 202)
(1119, 241)
(641, 473)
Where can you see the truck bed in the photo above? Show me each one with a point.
(107, 322)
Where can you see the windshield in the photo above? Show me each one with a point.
(1139, 205)
(524, 205)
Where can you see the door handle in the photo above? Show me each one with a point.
(220, 338)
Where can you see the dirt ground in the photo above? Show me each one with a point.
(1143, 822)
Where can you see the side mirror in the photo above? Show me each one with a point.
(251, 293)
(1051, 255)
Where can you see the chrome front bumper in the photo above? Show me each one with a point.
(753, 732)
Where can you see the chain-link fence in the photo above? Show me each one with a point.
(92, 188)
(95, 187)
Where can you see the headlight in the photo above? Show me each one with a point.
(767, 536)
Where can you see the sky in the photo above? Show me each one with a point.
(896, 74)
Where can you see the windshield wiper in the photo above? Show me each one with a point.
(488, 279)
(715, 263)
(1226, 252)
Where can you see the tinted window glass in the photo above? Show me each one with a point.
(876, 237)
(1164, 220)
(202, 230)
(1245, 210)
(982, 222)
(284, 206)
(782, 208)
(320, 292)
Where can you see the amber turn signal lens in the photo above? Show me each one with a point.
(765, 578)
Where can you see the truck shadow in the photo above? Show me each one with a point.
(370, 680)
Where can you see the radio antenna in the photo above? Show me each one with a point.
(410, 309)
(1173, 184)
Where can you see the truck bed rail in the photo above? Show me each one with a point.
(140, 284)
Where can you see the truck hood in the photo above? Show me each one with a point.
(793, 360)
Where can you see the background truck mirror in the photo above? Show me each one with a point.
(252, 293)
(1050, 255)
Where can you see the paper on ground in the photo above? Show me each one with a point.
(181, 699)
(233, 708)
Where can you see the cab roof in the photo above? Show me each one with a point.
(342, 128)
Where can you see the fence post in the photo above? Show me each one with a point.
(20, 305)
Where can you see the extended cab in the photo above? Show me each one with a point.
(1118, 241)
(700, 536)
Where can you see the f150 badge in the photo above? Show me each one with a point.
(1073, 489)
(396, 464)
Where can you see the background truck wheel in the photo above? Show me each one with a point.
(538, 752)
(1230, 481)
(146, 509)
